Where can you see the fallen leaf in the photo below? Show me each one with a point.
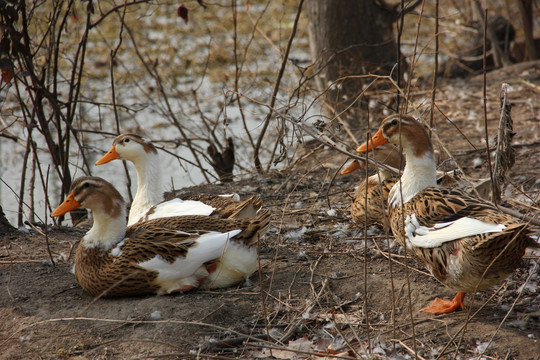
(7, 74)
(183, 12)
(342, 319)
(302, 344)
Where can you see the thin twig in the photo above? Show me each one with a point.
(46, 228)
(266, 122)
(484, 101)
(366, 305)
(435, 65)
(261, 290)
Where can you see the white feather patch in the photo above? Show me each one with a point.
(233, 196)
(208, 247)
(237, 263)
(117, 251)
(179, 207)
(425, 237)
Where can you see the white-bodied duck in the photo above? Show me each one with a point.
(149, 202)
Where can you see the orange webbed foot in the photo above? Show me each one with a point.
(440, 306)
(185, 288)
(191, 287)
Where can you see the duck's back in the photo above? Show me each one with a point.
(369, 204)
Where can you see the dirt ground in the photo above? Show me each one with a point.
(325, 289)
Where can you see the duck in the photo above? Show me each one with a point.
(150, 202)
(368, 205)
(464, 241)
(159, 256)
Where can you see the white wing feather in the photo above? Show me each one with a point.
(425, 237)
(233, 196)
(209, 246)
(179, 207)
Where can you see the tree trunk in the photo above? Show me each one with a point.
(350, 38)
(526, 11)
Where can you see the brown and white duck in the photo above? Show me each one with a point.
(160, 256)
(149, 202)
(465, 242)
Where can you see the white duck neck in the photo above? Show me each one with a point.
(149, 186)
(419, 173)
(107, 231)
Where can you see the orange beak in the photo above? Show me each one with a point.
(69, 204)
(377, 140)
(352, 167)
(108, 157)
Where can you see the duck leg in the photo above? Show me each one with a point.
(440, 306)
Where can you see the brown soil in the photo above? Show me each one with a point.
(326, 289)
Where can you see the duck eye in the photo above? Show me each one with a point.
(394, 122)
(127, 140)
(86, 186)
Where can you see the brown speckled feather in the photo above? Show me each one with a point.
(229, 208)
(472, 254)
(97, 271)
(377, 196)
(160, 228)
